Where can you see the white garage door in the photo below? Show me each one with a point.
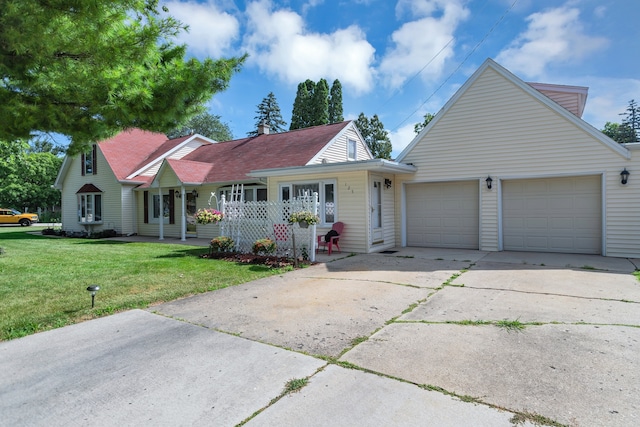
(443, 215)
(553, 215)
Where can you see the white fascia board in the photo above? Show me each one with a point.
(66, 164)
(170, 152)
(379, 165)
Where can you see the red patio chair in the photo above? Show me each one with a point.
(337, 228)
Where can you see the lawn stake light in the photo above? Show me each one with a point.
(93, 289)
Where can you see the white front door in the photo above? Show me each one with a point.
(376, 210)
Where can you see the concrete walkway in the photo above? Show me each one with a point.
(416, 337)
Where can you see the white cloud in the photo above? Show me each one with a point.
(555, 35)
(400, 139)
(279, 44)
(608, 97)
(211, 31)
(426, 40)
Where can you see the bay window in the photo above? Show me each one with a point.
(89, 208)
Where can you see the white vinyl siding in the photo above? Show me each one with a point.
(338, 149)
(496, 128)
(106, 181)
(553, 215)
(443, 215)
(351, 192)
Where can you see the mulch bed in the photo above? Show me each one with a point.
(268, 260)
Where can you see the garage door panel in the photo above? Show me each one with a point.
(443, 214)
(553, 215)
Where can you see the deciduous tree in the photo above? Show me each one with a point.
(204, 124)
(374, 134)
(417, 128)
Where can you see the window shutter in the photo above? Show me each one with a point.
(94, 159)
(82, 160)
(146, 207)
(172, 211)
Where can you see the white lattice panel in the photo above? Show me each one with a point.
(246, 222)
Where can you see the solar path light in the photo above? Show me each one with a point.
(93, 289)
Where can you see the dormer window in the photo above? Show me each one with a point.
(351, 149)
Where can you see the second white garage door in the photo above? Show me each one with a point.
(443, 215)
(553, 215)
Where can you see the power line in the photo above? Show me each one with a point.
(506, 12)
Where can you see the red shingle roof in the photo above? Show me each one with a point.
(232, 160)
(127, 150)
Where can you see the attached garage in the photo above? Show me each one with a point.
(553, 215)
(442, 215)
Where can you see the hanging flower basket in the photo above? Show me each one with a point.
(208, 216)
(304, 218)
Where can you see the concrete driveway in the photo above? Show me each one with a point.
(417, 337)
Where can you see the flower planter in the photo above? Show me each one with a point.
(303, 224)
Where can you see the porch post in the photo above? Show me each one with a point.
(161, 219)
(312, 245)
(183, 214)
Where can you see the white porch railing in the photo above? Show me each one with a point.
(246, 222)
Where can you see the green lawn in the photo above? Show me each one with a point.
(43, 280)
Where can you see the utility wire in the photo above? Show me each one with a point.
(506, 12)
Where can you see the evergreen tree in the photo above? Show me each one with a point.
(632, 120)
(88, 69)
(374, 134)
(335, 103)
(316, 105)
(319, 107)
(300, 113)
(268, 112)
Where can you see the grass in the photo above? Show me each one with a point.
(43, 280)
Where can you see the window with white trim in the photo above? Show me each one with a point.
(90, 208)
(327, 208)
(251, 193)
(351, 149)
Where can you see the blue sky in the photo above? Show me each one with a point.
(401, 59)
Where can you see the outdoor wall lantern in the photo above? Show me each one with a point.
(93, 289)
(195, 193)
(387, 183)
(489, 181)
(624, 176)
(178, 195)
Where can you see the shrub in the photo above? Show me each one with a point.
(264, 247)
(222, 244)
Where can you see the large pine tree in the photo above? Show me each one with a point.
(88, 69)
(268, 112)
(320, 104)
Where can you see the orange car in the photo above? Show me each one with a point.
(12, 216)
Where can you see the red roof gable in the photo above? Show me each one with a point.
(189, 171)
(232, 160)
(127, 150)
